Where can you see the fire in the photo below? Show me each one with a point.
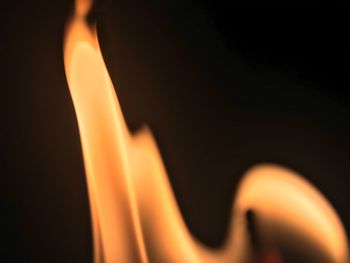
(135, 216)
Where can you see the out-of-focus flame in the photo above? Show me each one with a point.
(134, 213)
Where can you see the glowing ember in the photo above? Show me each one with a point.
(134, 213)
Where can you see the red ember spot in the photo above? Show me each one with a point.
(270, 255)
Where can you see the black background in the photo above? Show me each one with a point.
(223, 87)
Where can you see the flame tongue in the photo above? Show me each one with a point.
(104, 141)
(134, 213)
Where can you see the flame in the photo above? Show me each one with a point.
(135, 217)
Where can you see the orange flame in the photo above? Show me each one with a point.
(134, 214)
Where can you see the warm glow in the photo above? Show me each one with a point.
(134, 213)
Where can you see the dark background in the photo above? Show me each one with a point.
(223, 87)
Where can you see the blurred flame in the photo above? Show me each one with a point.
(134, 214)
